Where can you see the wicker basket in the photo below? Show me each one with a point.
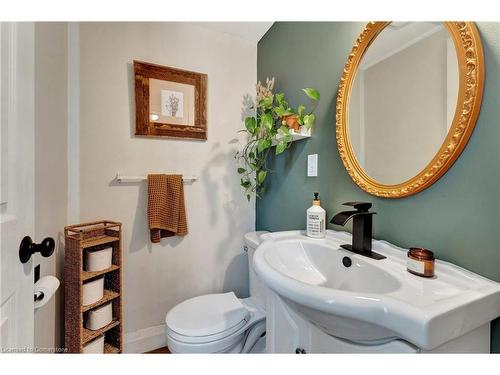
(94, 235)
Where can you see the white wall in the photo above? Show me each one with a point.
(50, 167)
(210, 258)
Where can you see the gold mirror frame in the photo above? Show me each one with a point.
(471, 70)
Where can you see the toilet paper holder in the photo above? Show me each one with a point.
(38, 296)
(44, 290)
(28, 248)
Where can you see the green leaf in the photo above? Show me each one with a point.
(241, 170)
(281, 146)
(251, 155)
(309, 120)
(267, 120)
(254, 166)
(312, 93)
(284, 130)
(268, 143)
(279, 111)
(245, 183)
(261, 176)
(267, 102)
(279, 97)
(263, 144)
(251, 124)
(301, 109)
(248, 197)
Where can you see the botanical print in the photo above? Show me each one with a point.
(172, 103)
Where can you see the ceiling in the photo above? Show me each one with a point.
(396, 37)
(251, 31)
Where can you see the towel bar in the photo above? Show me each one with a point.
(119, 178)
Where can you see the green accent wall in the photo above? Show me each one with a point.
(458, 217)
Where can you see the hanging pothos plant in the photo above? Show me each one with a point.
(274, 123)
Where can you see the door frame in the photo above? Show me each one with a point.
(17, 69)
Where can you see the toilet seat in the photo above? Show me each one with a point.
(207, 315)
(205, 339)
(210, 323)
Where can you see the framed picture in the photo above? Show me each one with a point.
(170, 102)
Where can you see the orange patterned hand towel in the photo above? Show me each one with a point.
(166, 210)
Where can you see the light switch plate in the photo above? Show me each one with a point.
(312, 165)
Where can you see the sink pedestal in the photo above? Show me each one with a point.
(288, 331)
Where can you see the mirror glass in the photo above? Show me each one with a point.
(403, 100)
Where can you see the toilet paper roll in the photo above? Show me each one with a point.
(48, 286)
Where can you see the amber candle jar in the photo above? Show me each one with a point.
(420, 262)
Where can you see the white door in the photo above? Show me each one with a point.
(16, 184)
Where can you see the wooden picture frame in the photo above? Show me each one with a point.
(170, 102)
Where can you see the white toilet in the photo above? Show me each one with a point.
(221, 323)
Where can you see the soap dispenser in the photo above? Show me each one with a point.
(316, 219)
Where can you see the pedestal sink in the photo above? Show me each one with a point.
(370, 301)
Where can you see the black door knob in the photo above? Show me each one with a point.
(28, 248)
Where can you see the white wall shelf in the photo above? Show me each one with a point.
(295, 136)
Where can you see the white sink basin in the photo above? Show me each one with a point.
(373, 301)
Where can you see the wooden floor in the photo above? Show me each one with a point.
(163, 350)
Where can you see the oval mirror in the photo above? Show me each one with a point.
(407, 103)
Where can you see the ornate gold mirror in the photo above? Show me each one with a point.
(407, 103)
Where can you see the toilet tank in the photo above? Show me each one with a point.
(257, 287)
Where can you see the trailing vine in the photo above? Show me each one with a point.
(273, 123)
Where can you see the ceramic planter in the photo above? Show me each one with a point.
(292, 122)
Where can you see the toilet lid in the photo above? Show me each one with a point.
(207, 315)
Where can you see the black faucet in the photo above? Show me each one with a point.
(361, 228)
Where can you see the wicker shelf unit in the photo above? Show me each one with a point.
(79, 238)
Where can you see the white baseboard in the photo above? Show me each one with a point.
(145, 340)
